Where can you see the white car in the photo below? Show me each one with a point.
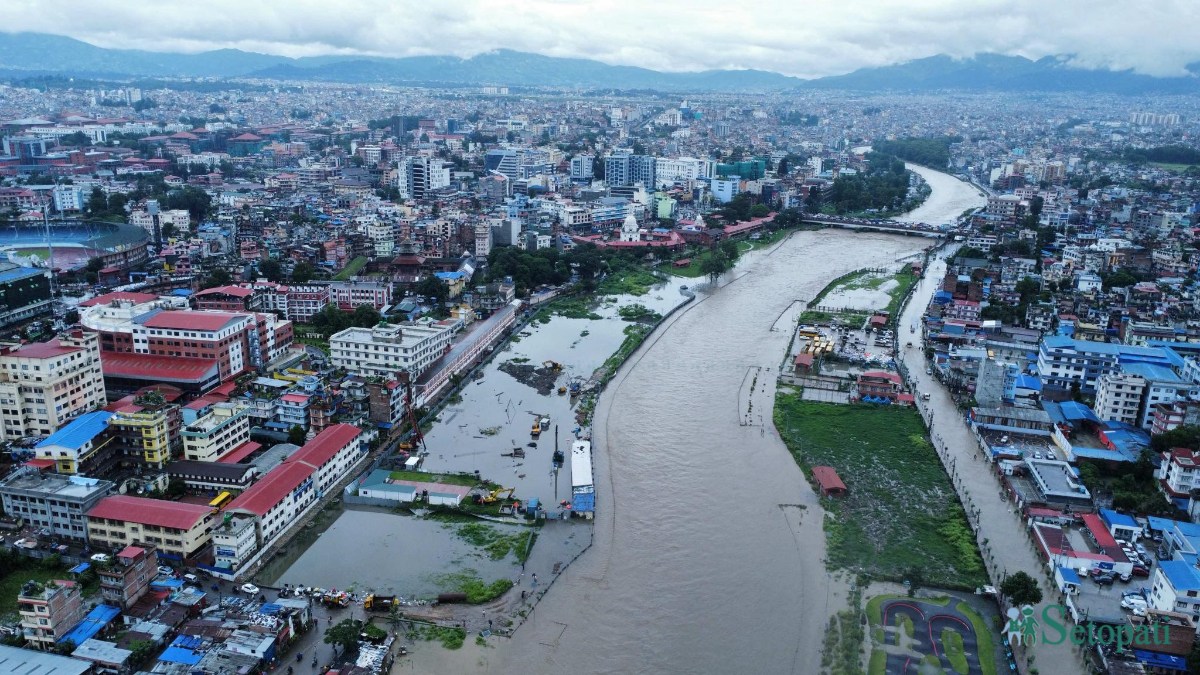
(101, 557)
(1134, 602)
(165, 571)
(249, 589)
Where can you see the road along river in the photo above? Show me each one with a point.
(708, 548)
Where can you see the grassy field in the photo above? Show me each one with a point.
(632, 281)
(900, 519)
(1172, 167)
(692, 271)
(464, 479)
(352, 269)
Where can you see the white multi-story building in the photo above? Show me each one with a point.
(483, 239)
(1175, 587)
(215, 434)
(669, 170)
(384, 350)
(235, 540)
(45, 384)
(583, 167)
(1119, 397)
(177, 218)
(290, 490)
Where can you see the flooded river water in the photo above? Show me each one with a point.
(708, 545)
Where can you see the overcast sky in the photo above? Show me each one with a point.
(805, 38)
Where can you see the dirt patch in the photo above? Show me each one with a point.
(541, 378)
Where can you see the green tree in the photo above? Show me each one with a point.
(219, 277)
(713, 264)
(195, 201)
(1021, 589)
(366, 316)
(729, 249)
(271, 269)
(1187, 436)
(302, 272)
(344, 634)
(759, 211)
(296, 436)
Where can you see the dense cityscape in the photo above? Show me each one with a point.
(325, 377)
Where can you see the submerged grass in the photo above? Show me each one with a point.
(900, 518)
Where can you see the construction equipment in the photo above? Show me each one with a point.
(552, 365)
(418, 438)
(494, 495)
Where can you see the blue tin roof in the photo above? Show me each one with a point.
(92, 624)
(1113, 518)
(1181, 575)
(78, 431)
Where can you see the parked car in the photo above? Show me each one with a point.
(1133, 601)
(1125, 577)
(1104, 579)
(1141, 571)
(249, 589)
(163, 569)
(191, 578)
(101, 557)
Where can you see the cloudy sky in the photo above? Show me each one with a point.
(805, 38)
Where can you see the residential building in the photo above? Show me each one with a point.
(305, 300)
(126, 578)
(1175, 587)
(582, 167)
(1119, 397)
(83, 446)
(878, 384)
(144, 438)
(348, 295)
(1179, 473)
(44, 384)
(216, 433)
(211, 477)
(55, 503)
(389, 348)
(179, 530)
(49, 611)
(385, 402)
(1063, 362)
(292, 410)
(504, 162)
(235, 540)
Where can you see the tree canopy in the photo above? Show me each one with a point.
(1021, 589)
(932, 152)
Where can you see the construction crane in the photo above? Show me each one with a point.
(418, 438)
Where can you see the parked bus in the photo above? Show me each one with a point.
(220, 501)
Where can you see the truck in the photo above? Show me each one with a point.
(379, 603)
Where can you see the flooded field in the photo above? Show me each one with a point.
(390, 553)
(376, 549)
(496, 413)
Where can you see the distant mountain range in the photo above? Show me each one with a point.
(29, 54)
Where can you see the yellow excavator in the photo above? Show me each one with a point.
(495, 495)
(553, 365)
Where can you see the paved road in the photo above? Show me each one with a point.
(1003, 537)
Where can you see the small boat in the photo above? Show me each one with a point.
(562, 390)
